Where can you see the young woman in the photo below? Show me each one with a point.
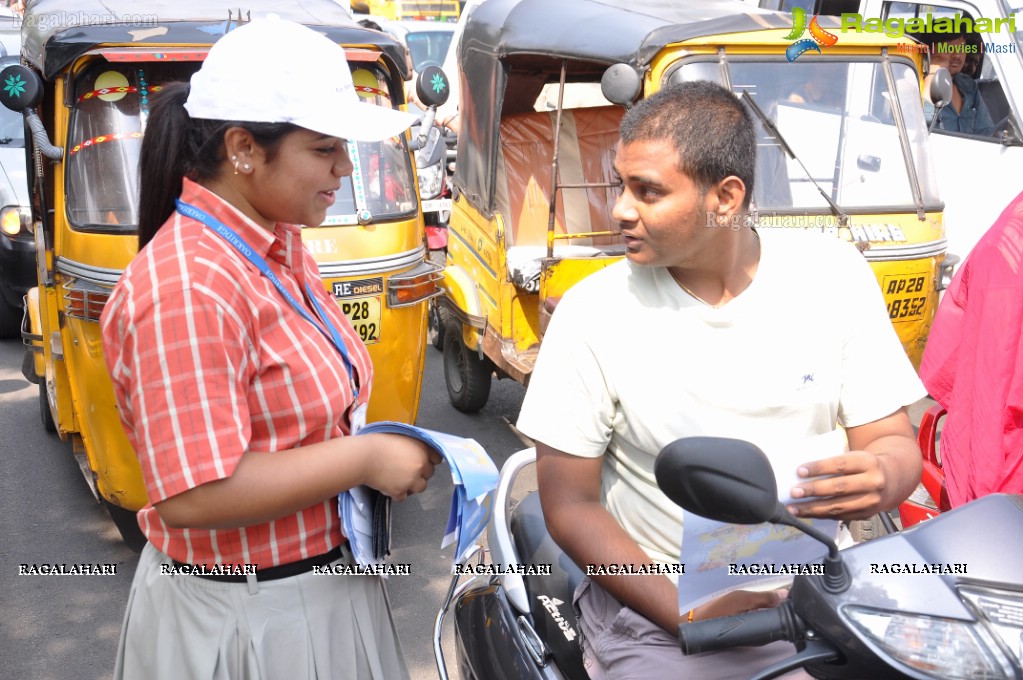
(239, 382)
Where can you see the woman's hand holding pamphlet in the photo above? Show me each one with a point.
(365, 512)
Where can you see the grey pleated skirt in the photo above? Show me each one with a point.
(308, 626)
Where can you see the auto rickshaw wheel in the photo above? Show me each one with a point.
(466, 375)
(44, 408)
(127, 524)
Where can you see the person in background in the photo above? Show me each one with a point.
(711, 337)
(240, 383)
(967, 111)
(973, 365)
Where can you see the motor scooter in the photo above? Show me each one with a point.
(940, 600)
(931, 496)
(435, 187)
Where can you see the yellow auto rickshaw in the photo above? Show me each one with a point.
(86, 82)
(534, 183)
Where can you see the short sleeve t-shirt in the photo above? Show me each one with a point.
(630, 362)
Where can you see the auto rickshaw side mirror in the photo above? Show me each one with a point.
(432, 86)
(20, 88)
(621, 84)
(940, 91)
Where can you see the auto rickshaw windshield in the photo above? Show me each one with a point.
(851, 145)
(111, 105)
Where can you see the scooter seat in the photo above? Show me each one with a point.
(550, 595)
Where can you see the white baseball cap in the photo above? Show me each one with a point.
(275, 71)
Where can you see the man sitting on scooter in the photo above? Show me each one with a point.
(708, 328)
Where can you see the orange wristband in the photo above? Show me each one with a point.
(689, 619)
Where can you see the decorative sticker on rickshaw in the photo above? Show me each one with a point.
(906, 296)
(358, 186)
(106, 93)
(340, 220)
(361, 302)
(114, 136)
(366, 89)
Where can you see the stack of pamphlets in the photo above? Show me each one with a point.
(719, 558)
(365, 513)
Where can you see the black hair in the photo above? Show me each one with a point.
(176, 146)
(708, 126)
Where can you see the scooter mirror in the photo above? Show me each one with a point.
(20, 88)
(432, 86)
(621, 84)
(728, 480)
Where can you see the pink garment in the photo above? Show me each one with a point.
(973, 365)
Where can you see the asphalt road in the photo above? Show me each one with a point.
(60, 627)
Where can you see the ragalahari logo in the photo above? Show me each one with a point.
(818, 36)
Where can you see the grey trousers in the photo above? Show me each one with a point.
(620, 644)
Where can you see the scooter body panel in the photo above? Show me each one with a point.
(914, 572)
(489, 641)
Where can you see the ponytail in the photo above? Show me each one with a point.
(169, 153)
(176, 146)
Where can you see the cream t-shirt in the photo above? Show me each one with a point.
(630, 362)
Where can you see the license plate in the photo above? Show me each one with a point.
(906, 296)
(364, 315)
(437, 204)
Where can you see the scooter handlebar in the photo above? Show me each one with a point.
(754, 628)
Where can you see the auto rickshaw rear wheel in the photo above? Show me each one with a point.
(44, 408)
(127, 524)
(466, 375)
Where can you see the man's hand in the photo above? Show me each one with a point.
(738, 602)
(880, 472)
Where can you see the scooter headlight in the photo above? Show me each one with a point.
(938, 647)
(1002, 611)
(431, 180)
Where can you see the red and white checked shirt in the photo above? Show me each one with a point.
(209, 361)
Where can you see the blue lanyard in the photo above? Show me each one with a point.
(242, 247)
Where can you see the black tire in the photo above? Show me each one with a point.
(867, 529)
(437, 324)
(10, 320)
(127, 524)
(44, 408)
(465, 374)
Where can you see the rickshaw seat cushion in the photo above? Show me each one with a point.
(585, 155)
(534, 545)
(525, 262)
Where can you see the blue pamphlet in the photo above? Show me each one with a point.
(367, 525)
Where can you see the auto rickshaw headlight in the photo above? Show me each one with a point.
(14, 221)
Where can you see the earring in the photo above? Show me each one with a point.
(235, 165)
(246, 166)
(234, 159)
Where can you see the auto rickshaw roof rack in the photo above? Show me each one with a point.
(56, 32)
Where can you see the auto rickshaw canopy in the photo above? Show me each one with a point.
(590, 34)
(56, 32)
